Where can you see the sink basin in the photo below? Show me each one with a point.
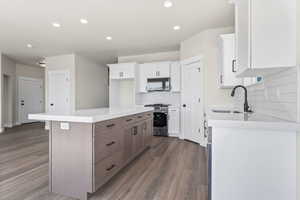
(221, 111)
(227, 111)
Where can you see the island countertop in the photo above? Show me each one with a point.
(91, 115)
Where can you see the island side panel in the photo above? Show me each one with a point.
(71, 159)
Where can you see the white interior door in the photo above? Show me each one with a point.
(192, 103)
(31, 98)
(59, 92)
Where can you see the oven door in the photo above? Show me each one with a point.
(160, 120)
(160, 124)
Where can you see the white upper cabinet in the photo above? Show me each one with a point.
(228, 77)
(265, 35)
(122, 71)
(158, 70)
(175, 77)
(152, 70)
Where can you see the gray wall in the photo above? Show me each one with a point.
(14, 70)
(206, 44)
(91, 84)
(9, 111)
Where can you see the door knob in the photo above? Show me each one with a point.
(51, 104)
(184, 105)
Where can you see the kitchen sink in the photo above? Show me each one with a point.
(227, 111)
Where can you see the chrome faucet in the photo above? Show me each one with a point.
(246, 105)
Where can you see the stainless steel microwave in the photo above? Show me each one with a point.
(158, 84)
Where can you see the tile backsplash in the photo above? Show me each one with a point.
(275, 96)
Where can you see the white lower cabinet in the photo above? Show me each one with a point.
(174, 121)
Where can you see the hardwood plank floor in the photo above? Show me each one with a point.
(171, 170)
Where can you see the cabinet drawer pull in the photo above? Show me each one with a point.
(111, 143)
(128, 120)
(110, 168)
(140, 117)
(110, 125)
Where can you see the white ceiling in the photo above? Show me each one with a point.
(137, 26)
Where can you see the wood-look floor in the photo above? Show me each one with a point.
(171, 170)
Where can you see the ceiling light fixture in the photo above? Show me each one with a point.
(29, 45)
(56, 25)
(176, 28)
(109, 38)
(84, 21)
(168, 4)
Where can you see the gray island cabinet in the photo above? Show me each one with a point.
(83, 156)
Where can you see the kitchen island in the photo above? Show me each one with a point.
(88, 147)
(251, 156)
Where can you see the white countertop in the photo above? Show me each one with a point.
(249, 121)
(91, 115)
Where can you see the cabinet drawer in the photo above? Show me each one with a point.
(148, 115)
(107, 168)
(107, 125)
(107, 143)
(129, 120)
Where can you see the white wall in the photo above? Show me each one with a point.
(13, 71)
(8, 106)
(91, 84)
(206, 44)
(152, 57)
(155, 97)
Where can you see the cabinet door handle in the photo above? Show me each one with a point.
(140, 117)
(111, 143)
(110, 168)
(110, 125)
(233, 66)
(128, 120)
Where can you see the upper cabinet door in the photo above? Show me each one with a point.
(228, 69)
(145, 71)
(265, 35)
(162, 69)
(122, 71)
(242, 36)
(175, 77)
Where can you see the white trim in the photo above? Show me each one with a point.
(29, 78)
(192, 60)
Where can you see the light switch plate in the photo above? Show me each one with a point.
(65, 126)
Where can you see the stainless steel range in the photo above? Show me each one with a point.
(160, 119)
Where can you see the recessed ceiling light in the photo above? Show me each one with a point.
(84, 21)
(56, 25)
(176, 28)
(109, 38)
(29, 45)
(168, 4)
